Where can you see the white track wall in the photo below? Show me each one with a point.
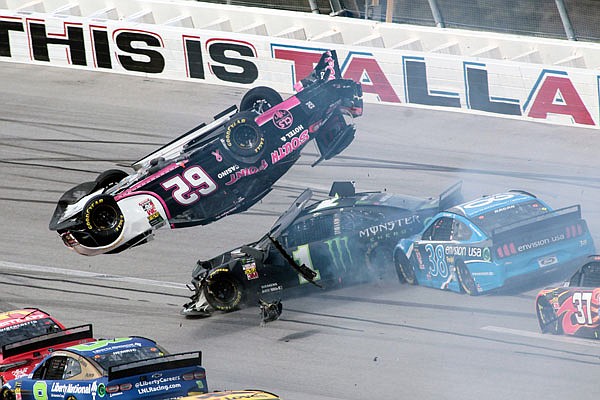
(533, 79)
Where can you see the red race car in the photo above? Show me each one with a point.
(573, 309)
(28, 335)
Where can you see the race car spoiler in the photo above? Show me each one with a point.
(561, 216)
(451, 196)
(51, 339)
(171, 361)
(551, 228)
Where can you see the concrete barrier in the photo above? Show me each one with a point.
(526, 78)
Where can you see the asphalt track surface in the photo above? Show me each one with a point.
(60, 127)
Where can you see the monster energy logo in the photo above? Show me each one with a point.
(340, 252)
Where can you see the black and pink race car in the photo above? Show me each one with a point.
(215, 169)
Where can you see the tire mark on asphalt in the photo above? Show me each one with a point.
(427, 306)
(455, 334)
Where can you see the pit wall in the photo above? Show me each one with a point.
(409, 74)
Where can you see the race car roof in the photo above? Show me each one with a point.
(487, 203)
(106, 346)
(16, 317)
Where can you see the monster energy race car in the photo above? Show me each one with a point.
(347, 238)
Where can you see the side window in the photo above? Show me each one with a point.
(591, 275)
(460, 231)
(310, 230)
(72, 368)
(442, 229)
(55, 368)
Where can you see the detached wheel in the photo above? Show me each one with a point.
(260, 99)
(103, 219)
(405, 271)
(223, 292)
(465, 279)
(243, 137)
(547, 317)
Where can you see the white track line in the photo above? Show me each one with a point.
(538, 335)
(85, 274)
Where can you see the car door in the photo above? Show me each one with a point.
(434, 269)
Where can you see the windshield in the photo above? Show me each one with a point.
(505, 216)
(127, 355)
(27, 330)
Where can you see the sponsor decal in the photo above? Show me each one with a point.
(154, 216)
(217, 155)
(228, 171)
(389, 226)
(283, 119)
(339, 251)
(72, 388)
(292, 133)
(289, 147)
(233, 178)
(20, 372)
(250, 270)
(270, 287)
(19, 320)
(547, 261)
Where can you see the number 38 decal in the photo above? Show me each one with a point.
(190, 185)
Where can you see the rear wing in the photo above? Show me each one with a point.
(201, 131)
(451, 196)
(49, 340)
(561, 216)
(171, 361)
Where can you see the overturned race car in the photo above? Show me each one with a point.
(214, 170)
(344, 239)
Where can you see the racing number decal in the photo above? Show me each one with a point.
(487, 200)
(583, 302)
(40, 390)
(189, 186)
(437, 260)
(302, 256)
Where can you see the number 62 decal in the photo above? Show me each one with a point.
(190, 185)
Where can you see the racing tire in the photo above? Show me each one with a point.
(103, 219)
(7, 394)
(405, 271)
(260, 99)
(547, 318)
(465, 279)
(243, 137)
(110, 178)
(223, 292)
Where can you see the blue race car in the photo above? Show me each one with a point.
(131, 367)
(507, 239)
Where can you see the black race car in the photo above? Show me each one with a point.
(213, 170)
(347, 238)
